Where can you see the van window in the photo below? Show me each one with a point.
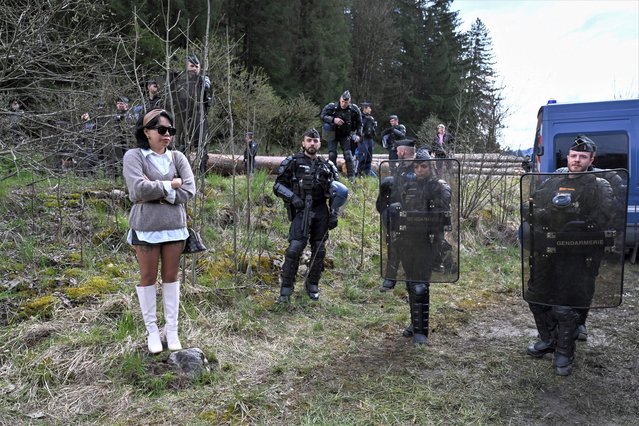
(612, 149)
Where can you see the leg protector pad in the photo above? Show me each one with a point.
(567, 320)
(291, 263)
(546, 324)
(419, 306)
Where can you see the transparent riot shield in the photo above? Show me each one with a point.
(572, 239)
(418, 204)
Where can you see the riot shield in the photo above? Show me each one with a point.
(572, 239)
(418, 203)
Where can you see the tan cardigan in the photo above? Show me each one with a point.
(150, 211)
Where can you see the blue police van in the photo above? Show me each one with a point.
(613, 125)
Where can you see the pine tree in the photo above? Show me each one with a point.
(444, 47)
(323, 55)
(479, 102)
(406, 93)
(374, 48)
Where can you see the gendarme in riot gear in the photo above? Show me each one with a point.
(305, 182)
(619, 192)
(343, 126)
(570, 220)
(417, 211)
(394, 174)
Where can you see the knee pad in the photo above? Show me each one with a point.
(295, 248)
(420, 291)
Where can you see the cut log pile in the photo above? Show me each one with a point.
(497, 164)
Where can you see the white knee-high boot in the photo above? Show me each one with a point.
(171, 296)
(147, 297)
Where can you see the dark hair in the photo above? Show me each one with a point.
(140, 136)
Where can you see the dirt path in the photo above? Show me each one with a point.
(604, 387)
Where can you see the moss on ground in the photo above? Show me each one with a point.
(74, 345)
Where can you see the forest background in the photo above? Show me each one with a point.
(273, 64)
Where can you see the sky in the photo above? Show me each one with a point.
(567, 50)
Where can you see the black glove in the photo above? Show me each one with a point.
(332, 221)
(297, 202)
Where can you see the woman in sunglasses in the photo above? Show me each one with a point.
(160, 182)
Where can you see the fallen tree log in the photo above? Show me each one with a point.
(226, 165)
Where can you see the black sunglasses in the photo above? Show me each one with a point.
(163, 129)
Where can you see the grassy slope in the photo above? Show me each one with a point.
(79, 356)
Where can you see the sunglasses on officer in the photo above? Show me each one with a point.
(163, 129)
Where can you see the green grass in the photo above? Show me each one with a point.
(126, 327)
(338, 361)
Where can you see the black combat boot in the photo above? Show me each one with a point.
(420, 339)
(540, 348)
(563, 364)
(312, 290)
(387, 285)
(581, 333)
(285, 295)
(408, 331)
